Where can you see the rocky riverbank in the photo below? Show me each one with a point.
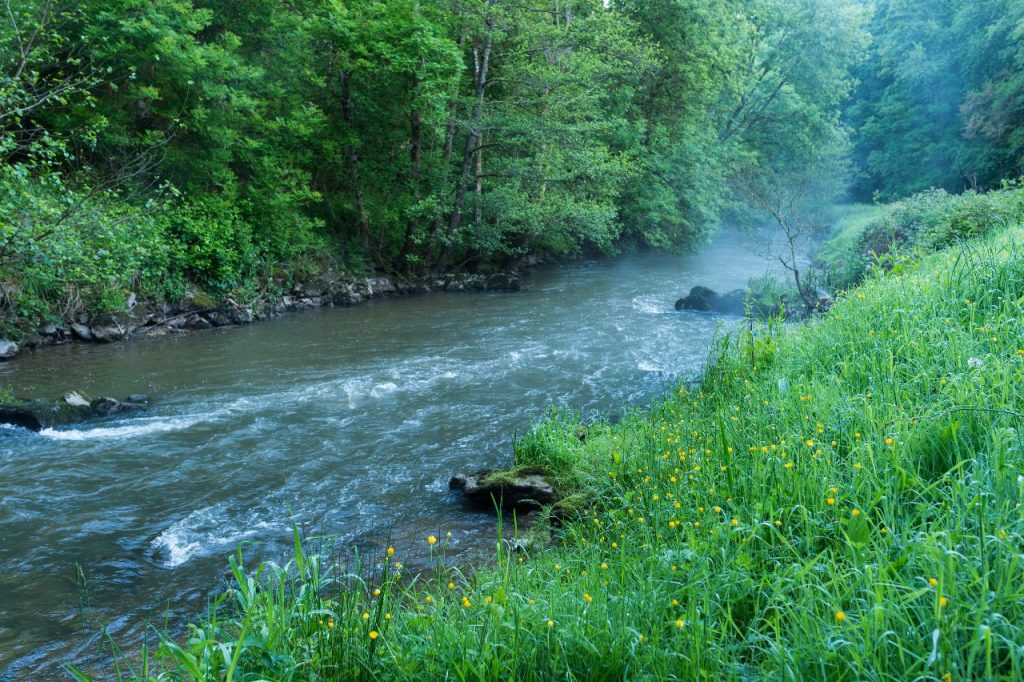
(200, 311)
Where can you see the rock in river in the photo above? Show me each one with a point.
(37, 415)
(522, 488)
(708, 301)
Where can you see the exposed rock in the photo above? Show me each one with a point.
(242, 315)
(109, 333)
(8, 349)
(48, 329)
(75, 399)
(523, 488)
(504, 281)
(197, 322)
(81, 331)
(380, 286)
(71, 409)
(218, 318)
(732, 302)
(707, 300)
(108, 407)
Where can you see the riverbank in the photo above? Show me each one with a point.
(838, 500)
(200, 311)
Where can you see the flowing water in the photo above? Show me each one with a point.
(347, 421)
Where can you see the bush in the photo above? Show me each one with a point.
(64, 249)
(920, 224)
(214, 245)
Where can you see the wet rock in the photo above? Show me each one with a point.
(8, 349)
(242, 315)
(76, 399)
(37, 415)
(218, 318)
(48, 329)
(700, 298)
(707, 300)
(504, 281)
(109, 333)
(521, 489)
(81, 331)
(108, 407)
(197, 322)
(380, 286)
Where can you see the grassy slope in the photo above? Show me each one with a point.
(840, 500)
(840, 253)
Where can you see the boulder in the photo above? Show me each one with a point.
(700, 298)
(707, 300)
(732, 303)
(37, 415)
(504, 281)
(109, 333)
(242, 315)
(75, 399)
(219, 318)
(81, 331)
(522, 488)
(8, 349)
(197, 322)
(108, 407)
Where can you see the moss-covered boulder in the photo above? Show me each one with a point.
(518, 488)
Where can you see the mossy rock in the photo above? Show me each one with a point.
(570, 508)
(73, 408)
(202, 301)
(520, 488)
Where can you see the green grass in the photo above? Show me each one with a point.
(840, 252)
(839, 500)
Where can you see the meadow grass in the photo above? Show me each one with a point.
(838, 500)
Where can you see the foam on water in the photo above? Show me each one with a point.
(205, 531)
(129, 431)
(650, 305)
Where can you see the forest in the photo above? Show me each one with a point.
(155, 149)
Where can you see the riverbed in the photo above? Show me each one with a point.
(346, 422)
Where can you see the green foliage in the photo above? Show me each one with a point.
(941, 98)
(416, 136)
(213, 244)
(64, 249)
(926, 222)
(768, 295)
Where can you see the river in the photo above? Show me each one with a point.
(347, 421)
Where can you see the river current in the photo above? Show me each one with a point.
(347, 422)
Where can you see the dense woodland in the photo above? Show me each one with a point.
(161, 147)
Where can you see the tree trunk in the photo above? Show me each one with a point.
(415, 161)
(352, 163)
(481, 65)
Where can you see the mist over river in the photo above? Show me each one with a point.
(349, 421)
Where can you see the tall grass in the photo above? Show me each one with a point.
(836, 501)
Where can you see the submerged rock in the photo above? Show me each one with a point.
(37, 415)
(523, 488)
